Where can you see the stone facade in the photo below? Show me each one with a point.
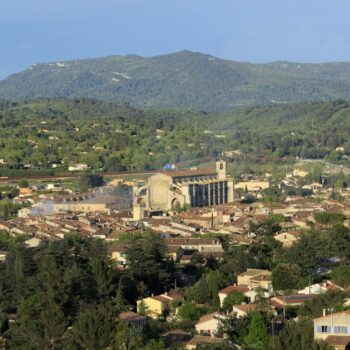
(193, 188)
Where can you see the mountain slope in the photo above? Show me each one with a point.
(181, 80)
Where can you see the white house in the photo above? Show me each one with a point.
(242, 310)
(319, 288)
(209, 324)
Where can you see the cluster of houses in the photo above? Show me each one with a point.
(334, 328)
(187, 234)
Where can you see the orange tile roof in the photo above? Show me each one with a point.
(130, 316)
(245, 307)
(242, 289)
(336, 340)
(161, 298)
(208, 317)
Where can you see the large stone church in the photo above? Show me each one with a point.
(194, 188)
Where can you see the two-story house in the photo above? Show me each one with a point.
(334, 328)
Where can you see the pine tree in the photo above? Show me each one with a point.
(257, 338)
(120, 302)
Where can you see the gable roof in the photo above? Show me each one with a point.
(242, 289)
(208, 317)
(129, 316)
(335, 340)
(201, 339)
(347, 312)
(245, 307)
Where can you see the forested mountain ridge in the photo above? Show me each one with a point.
(181, 80)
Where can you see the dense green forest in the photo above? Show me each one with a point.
(181, 80)
(46, 136)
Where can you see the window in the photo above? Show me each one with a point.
(340, 330)
(323, 329)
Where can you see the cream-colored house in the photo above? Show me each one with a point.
(223, 293)
(255, 278)
(157, 305)
(300, 173)
(287, 238)
(241, 311)
(334, 328)
(209, 324)
(118, 253)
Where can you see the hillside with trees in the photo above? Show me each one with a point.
(47, 136)
(181, 80)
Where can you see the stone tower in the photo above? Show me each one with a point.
(221, 170)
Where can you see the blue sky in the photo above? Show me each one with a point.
(34, 31)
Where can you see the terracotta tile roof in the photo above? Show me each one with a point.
(201, 339)
(129, 316)
(176, 337)
(174, 295)
(161, 298)
(191, 241)
(208, 317)
(242, 289)
(335, 340)
(245, 307)
(291, 299)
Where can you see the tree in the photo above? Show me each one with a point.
(93, 328)
(120, 302)
(5, 209)
(307, 252)
(127, 337)
(341, 275)
(200, 292)
(236, 329)
(333, 299)
(142, 308)
(150, 268)
(328, 219)
(298, 336)
(89, 181)
(23, 183)
(41, 324)
(103, 276)
(257, 337)
(189, 312)
(233, 298)
(285, 276)
(214, 279)
(155, 345)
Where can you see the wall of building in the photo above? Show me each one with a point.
(331, 321)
